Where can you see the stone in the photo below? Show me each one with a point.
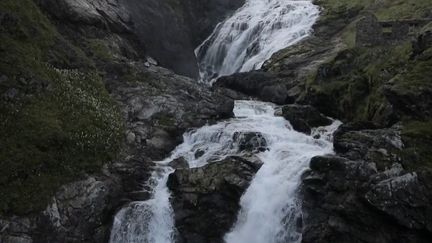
(250, 141)
(206, 200)
(380, 146)
(304, 117)
(260, 84)
(180, 163)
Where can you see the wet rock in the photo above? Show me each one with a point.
(380, 146)
(303, 117)
(206, 200)
(250, 141)
(264, 85)
(160, 108)
(364, 194)
(180, 163)
(405, 198)
(198, 154)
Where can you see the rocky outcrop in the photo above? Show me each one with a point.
(364, 194)
(155, 104)
(157, 111)
(265, 85)
(185, 24)
(81, 211)
(159, 106)
(250, 142)
(105, 14)
(303, 117)
(206, 200)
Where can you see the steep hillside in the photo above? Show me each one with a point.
(369, 64)
(84, 110)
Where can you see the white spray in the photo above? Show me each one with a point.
(253, 34)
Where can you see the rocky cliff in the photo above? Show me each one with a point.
(376, 188)
(85, 109)
(87, 101)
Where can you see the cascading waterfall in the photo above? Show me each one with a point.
(269, 209)
(253, 34)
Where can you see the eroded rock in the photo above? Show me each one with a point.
(206, 200)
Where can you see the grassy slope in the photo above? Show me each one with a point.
(56, 124)
(354, 88)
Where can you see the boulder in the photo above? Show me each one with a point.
(206, 200)
(264, 85)
(304, 117)
(179, 163)
(380, 146)
(364, 194)
(250, 142)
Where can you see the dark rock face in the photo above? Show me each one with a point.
(364, 194)
(250, 141)
(157, 107)
(303, 118)
(265, 85)
(80, 211)
(206, 200)
(169, 31)
(162, 105)
(363, 142)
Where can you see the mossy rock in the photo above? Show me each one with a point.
(58, 122)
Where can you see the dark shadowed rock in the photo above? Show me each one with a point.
(303, 117)
(264, 85)
(364, 194)
(380, 146)
(206, 200)
(180, 163)
(250, 141)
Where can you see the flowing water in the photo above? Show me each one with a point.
(270, 212)
(253, 34)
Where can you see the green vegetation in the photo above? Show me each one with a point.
(352, 85)
(57, 121)
(417, 137)
(385, 9)
(99, 50)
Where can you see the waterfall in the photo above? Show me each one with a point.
(270, 211)
(253, 34)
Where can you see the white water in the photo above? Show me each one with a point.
(253, 34)
(269, 211)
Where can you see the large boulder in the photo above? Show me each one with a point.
(349, 201)
(206, 200)
(159, 106)
(250, 142)
(304, 117)
(359, 141)
(265, 85)
(365, 194)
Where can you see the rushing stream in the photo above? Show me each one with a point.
(269, 208)
(253, 34)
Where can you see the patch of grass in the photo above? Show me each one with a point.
(57, 123)
(417, 137)
(100, 50)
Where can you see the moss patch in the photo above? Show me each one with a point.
(417, 137)
(57, 120)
